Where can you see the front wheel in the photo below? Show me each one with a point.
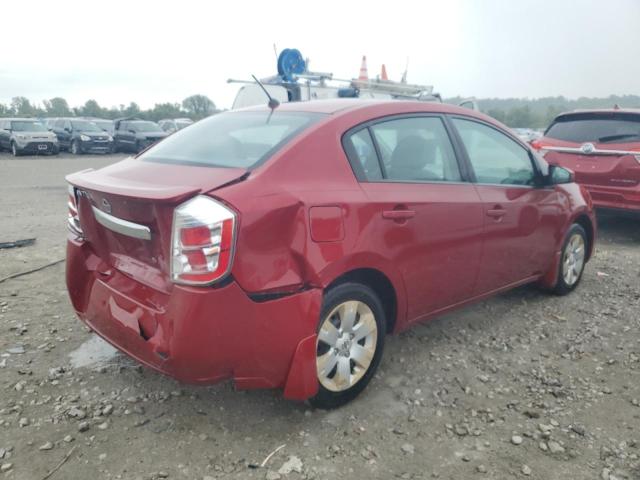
(350, 343)
(572, 260)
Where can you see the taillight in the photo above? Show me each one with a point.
(202, 241)
(73, 220)
(538, 146)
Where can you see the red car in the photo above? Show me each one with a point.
(602, 147)
(278, 248)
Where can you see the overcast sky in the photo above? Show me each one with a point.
(121, 51)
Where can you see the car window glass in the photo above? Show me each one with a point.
(603, 128)
(362, 151)
(416, 149)
(495, 158)
(59, 124)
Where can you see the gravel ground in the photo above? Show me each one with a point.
(525, 385)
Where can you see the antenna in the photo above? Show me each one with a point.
(273, 103)
(275, 50)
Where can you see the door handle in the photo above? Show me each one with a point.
(398, 214)
(496, 213)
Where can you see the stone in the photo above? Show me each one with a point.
(526, 470)
(77, 413)
(293, 464)
(46, 446)
(5, 467)
(271, 475)
(516, 440)
(481, 469)
(408, 448)
(555, 447)
(83, 426)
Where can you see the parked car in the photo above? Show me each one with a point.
(602, 147)
(174, 124)
(104, 124)
(527, 134)
(26, 136)
(134, 135)
(81, 136)
(278, 248)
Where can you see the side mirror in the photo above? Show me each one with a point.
(132, 131)
(559, 175)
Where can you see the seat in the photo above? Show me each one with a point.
(411, 157)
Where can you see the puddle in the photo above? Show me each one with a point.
(93, 353)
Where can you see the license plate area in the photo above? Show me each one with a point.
(42, 147)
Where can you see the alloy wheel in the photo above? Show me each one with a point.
(346, 345)
(573, 259)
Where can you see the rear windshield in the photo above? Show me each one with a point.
(233, 139)
(601, 128)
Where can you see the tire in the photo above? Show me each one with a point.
(361, 356)
(572, 260)
(15, 150)
(75, 148)
(137, 148)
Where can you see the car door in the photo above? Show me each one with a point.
(521, 218)
(4, 134)
(427, 217)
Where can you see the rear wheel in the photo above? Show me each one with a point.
(350, 343)
(572, 260)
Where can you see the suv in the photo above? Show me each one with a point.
(602, 147)
(279, 247)
(82, 136)
(25, 135)
(173, 125)
(134, 135)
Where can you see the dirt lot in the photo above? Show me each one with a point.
(525, 385)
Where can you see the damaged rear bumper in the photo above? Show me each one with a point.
(199, 335)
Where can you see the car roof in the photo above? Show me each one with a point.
(343, 105)
(28, 119)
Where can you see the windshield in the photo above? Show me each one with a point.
(85, 126)
(235, 139)
(27, 126)
(182, 123)
(145, 127)
(104, 124)
(596, 128)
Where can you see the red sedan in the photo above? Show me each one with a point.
(278, 248)
(602, 147)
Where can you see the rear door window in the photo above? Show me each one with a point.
(495, 158)
(416, 149)
(362, 153)
(233, 139)
(597, 128)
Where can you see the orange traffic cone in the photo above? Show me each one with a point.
(364, 74)
(383, 74)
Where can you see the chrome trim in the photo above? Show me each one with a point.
(119, 225)
(595, 151)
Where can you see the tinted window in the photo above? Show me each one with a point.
(59, 124)
(596, 128)
(84, 126)
(495, 158)
(145, 127)
(361, 150)
(233, 139)
(416, 149)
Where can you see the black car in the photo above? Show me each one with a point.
(134, 135)
(82, 136)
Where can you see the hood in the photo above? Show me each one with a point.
(36, 135)
(155, 181)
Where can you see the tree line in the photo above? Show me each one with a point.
(540, 112)
(514, 112)
(194, 107)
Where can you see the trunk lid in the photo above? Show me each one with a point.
(137, 196)
(598, 164)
